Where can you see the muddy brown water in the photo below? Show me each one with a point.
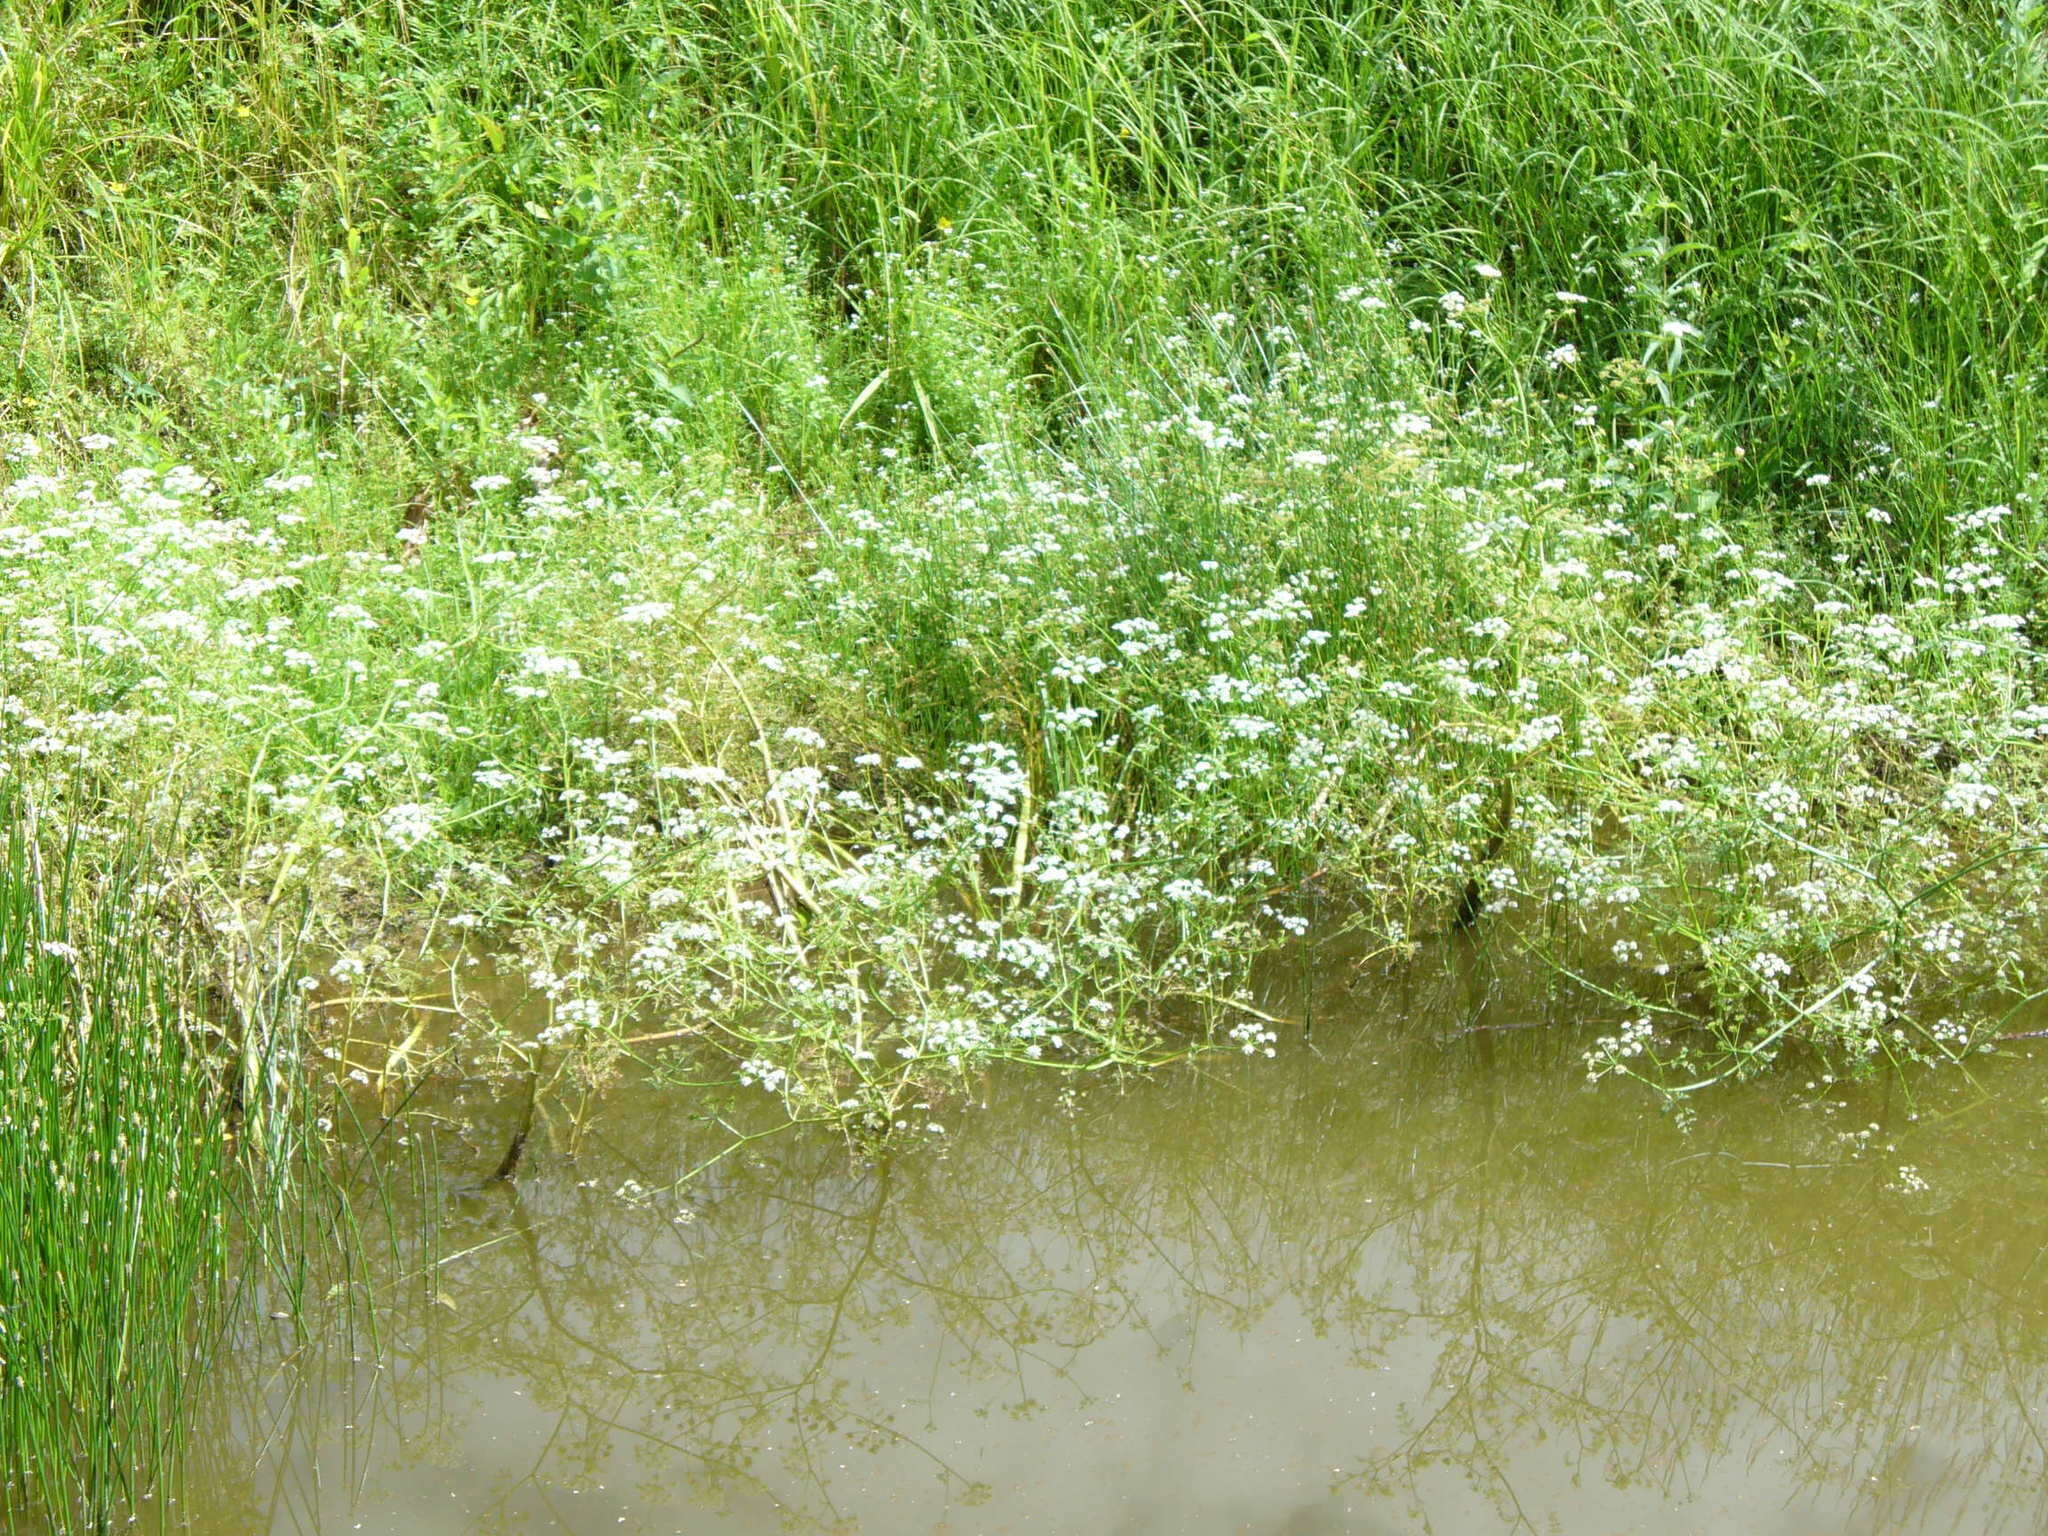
(1409, 1276)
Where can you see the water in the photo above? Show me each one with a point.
(1412, 1276)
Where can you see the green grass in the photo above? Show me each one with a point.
(112, 1221)
(154, 1121)
(887, 536)
(1846, 201)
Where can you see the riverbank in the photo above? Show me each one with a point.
(885, 567)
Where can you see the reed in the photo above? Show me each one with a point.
(131, 1182)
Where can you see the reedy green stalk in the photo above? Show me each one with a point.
(156, 1166)
(112, 1217)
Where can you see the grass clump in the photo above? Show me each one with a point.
(113, 1217)
(154, 1119)
(892, 537)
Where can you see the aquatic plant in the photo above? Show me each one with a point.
(154, 1124)
(112, 1213)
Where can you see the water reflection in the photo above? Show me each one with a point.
(1392, 1282)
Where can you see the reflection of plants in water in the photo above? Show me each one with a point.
(1657, 1312)
(1464, 1223)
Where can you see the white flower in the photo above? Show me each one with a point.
(1969, 797)
(537, 662)
(766, 1073)
(1983, 517)
(1783, 804)
(1253, 1038)
(409, 824)
(1534, 733)
(28, 487)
